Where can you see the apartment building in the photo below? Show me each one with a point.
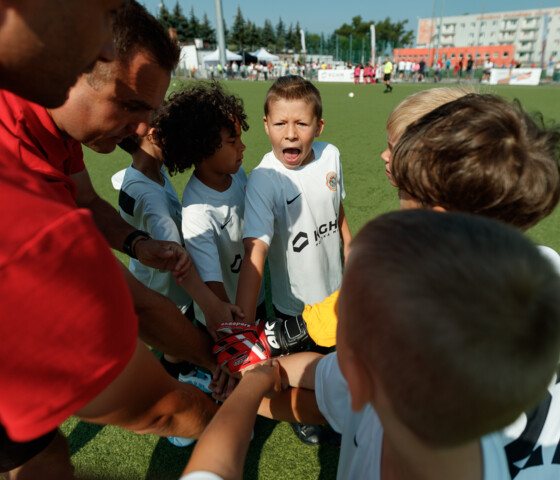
(534, 33)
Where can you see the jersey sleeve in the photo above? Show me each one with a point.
(159, 223)
(331, 391)
(200, 242)
(259, 207)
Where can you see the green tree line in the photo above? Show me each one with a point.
(346, 42)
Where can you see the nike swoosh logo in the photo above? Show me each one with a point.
(224, 225)
(293, 199)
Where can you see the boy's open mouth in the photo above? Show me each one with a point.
(291, 155)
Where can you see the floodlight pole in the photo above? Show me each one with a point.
(220, 31)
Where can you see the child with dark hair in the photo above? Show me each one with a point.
(148, 201)
(201, 126)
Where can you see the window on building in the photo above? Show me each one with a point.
(452, 55)
(505, 55)
(495, 22)
(495, 55)
(462, 25)
(478, 55)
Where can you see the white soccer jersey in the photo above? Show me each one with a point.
(362, 432)
(532, 443)
(149, 206)
(212, 227)
(551, 255)
(295, 212)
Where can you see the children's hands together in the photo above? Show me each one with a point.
(264, 375)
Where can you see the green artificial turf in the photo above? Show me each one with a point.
(357, 127)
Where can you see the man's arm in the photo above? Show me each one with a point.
(144, 398)
(153, 253)
(164, 327)
(250, 277)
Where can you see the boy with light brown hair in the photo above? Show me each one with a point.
(480, 154)
(449, 329)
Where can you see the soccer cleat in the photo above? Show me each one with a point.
(200, 380)
(197, 378)
(308, 434)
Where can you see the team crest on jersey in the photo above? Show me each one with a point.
(332, 181)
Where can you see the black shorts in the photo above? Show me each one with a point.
(14, 454)
(386, 77)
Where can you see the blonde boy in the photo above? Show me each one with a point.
(293, 211)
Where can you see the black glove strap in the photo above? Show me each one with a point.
(294, 335)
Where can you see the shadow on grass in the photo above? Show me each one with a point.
(81, 435)
(263, 429)
(167, 461)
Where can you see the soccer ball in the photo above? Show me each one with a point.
(351, 94)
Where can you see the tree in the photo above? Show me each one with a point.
(253, 36)
(390, 35)
(268, 38)
(192, 27)
(239, 31)
(206, 32)
(165, 16)
(358, 28)
(280, 36)
(179, 22)
(297, 38)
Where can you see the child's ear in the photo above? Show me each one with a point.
(152, 136)
(358, 380)
(265, 124)
(319, 129)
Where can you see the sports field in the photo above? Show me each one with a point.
(356, 126)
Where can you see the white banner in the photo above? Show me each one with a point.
(515, 76)
(346, 75)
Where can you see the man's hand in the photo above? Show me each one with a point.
(245, 345)
(164, 256)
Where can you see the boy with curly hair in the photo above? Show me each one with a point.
(201, 128)
(148, 201)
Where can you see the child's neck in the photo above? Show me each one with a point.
(415, 461)
(148, 165)
(216, 181)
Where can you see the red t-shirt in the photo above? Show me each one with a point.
(29, 136)
(67, 321)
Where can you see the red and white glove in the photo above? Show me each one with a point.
(245, 345)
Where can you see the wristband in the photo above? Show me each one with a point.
(129, 240)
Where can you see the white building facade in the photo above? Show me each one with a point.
(534, 33)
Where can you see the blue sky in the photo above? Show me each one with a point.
(316, 16)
